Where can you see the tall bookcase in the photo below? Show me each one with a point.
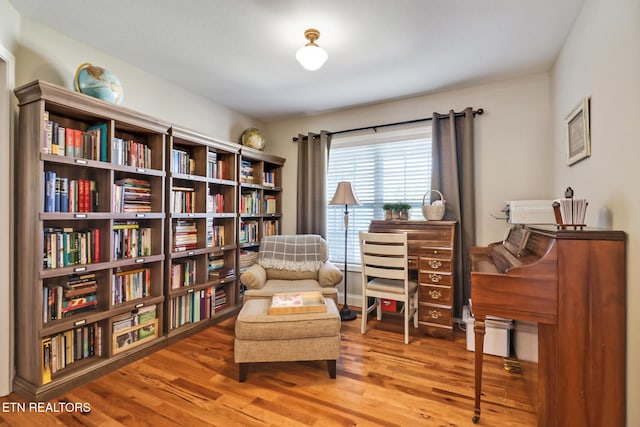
(201, 242)
(127, 234)
(90, 220)
(260, 201)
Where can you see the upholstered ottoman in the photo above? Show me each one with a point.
(264, 337)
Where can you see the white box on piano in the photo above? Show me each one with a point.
(531, 212)
(497, 337)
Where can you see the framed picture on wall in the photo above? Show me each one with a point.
(578, 135)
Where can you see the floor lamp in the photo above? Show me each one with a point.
(345, 196)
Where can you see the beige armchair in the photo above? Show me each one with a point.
(292, 263)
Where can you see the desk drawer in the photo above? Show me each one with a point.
(441, 264)
(442, 253)
(435, 314)
(435, 294)
(434, 277)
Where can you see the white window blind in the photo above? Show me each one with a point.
(386, 167)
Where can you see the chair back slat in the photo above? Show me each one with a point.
(385, 273)
(395, 248)
(384, 261)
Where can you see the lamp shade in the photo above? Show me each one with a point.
(344, 195)
(311, 56)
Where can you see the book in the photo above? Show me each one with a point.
(289, 300)
(50, 191)
(46, 360)
(100, 130)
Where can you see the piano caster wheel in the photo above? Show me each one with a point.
(475, 419)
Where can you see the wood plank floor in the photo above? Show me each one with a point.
(380, 382)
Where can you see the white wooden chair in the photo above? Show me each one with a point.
(385, 274)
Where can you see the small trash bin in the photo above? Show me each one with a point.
(497, 338)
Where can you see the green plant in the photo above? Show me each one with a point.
(403, 207)
(389, 206)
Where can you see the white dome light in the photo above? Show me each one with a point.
(311, 56)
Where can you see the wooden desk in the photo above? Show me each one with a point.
(432, 259)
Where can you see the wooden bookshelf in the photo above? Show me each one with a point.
(201, 269)
(74, 241)
(103, 222)
(260, 204)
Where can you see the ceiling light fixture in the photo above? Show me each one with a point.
(311, 56)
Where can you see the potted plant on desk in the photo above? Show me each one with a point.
(396, 210)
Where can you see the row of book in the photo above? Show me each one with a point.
(572, 211)
(217, 269)
(215, 234)
(183, 273)
(216, 168)
(182, 162)
(215, 203)
(246, 172)
(73, 295)
(248, 232)
(270, 228)
(66, 246)
(131, 153)
(196, 306)
(130, 240)
(69, 195)
(130, 285)
(183, 200)
(250, 202)
(132, 195)
(247, 259)
(185, 235)
(270, 204)
(133, 327)
(88, 144)
(269, 179)
(61, 350)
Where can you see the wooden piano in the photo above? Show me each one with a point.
(572, 283)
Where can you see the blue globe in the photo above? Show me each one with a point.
(98, 82)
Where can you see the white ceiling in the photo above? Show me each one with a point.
(241, 53)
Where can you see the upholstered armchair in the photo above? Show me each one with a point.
(292, 263)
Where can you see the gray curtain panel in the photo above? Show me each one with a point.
(313, 161)
(453, 175)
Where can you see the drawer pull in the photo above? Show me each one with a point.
(435, 314)
(435, 294)
(435, 278)
(435, 263)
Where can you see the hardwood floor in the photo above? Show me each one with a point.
(380, 382)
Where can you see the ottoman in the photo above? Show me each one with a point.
(264, 337)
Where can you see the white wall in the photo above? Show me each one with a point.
(47, 55)
(601, 59)
(512, 142)
(9, 29)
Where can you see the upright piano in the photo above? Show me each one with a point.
(572, 283)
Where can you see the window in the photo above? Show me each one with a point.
(386, 167)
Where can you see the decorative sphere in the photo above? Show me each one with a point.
(98, 82)
(253, 138)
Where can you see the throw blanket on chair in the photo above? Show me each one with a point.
(301, 252)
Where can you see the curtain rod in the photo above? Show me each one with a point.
(479, 112)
